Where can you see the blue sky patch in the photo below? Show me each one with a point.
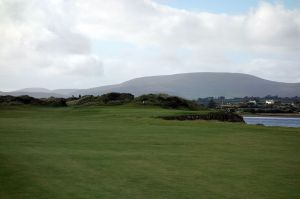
(228, 6)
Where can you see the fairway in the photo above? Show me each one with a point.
(127, 152)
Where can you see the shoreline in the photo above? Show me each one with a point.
(297, 115)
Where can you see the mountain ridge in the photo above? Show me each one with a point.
(188, 85)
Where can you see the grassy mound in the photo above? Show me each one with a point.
(167, 101)
(106, 99)
(162, 100)
(27, 100)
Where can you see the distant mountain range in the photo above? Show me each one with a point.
(187, 85)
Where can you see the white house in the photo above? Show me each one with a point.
(252, 102)
(270, 102)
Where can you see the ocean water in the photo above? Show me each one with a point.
(273, 121)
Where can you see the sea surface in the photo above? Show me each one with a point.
(273, 121)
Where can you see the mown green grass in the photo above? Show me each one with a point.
(126, 152)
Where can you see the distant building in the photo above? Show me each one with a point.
(270, 102)
(253, 102)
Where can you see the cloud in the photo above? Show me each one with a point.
(275, 69)
(53, 38)
(38, 39)
(273, 28)
(148, 23)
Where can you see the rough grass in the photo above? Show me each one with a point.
(127, 152)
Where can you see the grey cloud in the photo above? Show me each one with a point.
(40, 36)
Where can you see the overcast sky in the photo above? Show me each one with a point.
(87, 43)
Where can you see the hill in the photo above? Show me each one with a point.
(194, 85)
(189, 85)
(32, 94)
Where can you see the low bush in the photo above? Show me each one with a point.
(52, 101)
(117, 98)
(167, 101)
(24, 99)
(220, 116)
(27, 100)
(106, 99)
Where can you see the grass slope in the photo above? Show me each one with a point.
(124, 152)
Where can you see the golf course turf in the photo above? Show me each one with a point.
(128, 152)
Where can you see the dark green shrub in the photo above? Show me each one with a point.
(58, 102)
(19, 100)
(167, 101)
(117, 98)
(88, 100)
(212, 104)
(220, 116)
